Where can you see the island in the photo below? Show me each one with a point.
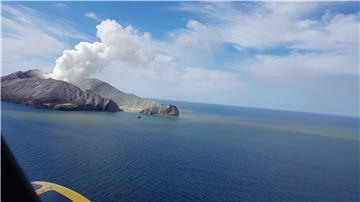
(33, 88)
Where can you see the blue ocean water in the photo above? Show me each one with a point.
(209, 153)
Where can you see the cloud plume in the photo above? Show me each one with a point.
(116, 43)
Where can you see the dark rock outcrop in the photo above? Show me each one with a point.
(31, 88)
(162, 110)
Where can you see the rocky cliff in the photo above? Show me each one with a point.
(162, 110)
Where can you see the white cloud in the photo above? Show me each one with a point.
(296, 65)
(268, 25)
(92, 15)
(259, 25)
(27, 17)
(193, 45)
(196, 35)
(205, 80)
(30, 41)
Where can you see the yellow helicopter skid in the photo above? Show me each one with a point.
(68, 193)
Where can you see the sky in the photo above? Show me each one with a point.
(300, 56)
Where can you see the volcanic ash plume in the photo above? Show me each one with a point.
(116, 43)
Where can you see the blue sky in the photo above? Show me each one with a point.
(291, 56)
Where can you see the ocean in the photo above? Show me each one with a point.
(209, 153)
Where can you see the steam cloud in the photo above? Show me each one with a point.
(116, 43)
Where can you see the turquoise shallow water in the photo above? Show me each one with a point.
(209, 153)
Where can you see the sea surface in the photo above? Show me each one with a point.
(209, 153)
